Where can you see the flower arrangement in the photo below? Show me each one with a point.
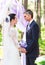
(40, 60)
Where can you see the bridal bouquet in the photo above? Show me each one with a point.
(23, 44)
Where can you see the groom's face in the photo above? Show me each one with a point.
(27, 17)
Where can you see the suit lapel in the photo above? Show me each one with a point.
(31, 23)
(29, 26)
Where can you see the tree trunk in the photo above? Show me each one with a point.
(38, 12)
(25, 4)
(44, 12)
(35, 9)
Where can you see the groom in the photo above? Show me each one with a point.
(32, 36)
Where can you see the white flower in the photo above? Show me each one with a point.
(40, 59)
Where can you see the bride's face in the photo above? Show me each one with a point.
(14, 21)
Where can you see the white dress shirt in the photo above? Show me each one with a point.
(30, 22)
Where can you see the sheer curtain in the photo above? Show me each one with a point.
(17, 8)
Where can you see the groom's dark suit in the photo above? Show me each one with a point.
(32, 35)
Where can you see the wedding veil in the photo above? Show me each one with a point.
(6, 27)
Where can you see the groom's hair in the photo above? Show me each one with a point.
(28, 11)
(12, 16)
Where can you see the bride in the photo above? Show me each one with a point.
(11, 53)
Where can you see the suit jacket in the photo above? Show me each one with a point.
(32, 35)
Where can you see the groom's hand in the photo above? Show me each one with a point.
(22, 50)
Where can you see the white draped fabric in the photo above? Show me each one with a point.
(17, 8)
(4, 4)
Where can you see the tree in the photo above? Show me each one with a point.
(44, 11)
(39, 14)
(25, 4)
(35, 9)
(38, 11)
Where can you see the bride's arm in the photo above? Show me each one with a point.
(14, 36)
(15, 40)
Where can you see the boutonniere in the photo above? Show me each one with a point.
(28, 27)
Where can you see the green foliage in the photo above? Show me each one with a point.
(19, 31)
(42, 41)
(0, 39)
(42, 63)
(0, 27)
(40, 60)
(0, 35)
(42, 46)
(20, 35)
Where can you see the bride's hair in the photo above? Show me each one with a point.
(12, 16)
(6, 25)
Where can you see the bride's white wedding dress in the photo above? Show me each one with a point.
(10, 48)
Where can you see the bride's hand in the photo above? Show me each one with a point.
(22, 50)
(19, 49)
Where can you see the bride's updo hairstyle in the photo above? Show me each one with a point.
(12, 16)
